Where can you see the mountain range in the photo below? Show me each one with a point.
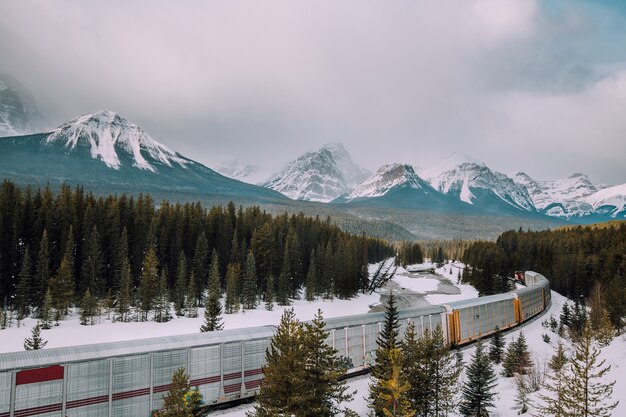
(103, 151)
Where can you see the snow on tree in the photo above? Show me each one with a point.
(517, 360)
(497, 344)
(551, 403)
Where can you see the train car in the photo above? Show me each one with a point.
(130, 378)
(472, 319)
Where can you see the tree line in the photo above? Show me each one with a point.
(73, 248)
(573, 259)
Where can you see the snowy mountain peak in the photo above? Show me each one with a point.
(108, 136)
(450, 163)
(18, 110)
(611, 201)
(320, 175)
(387, 178)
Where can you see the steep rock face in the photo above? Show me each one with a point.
(321, 175)
(107, 135)
(18, 110)
(476, 184)
(564, 198)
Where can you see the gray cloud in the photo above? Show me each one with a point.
(516, 83)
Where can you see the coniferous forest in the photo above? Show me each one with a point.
(70, 247)
(573, 259)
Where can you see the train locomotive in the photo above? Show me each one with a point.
(131, 378)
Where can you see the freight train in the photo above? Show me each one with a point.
(130, 378)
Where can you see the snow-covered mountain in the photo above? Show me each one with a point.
(564, 198)
(474, 183)
(610, 201)
(107, 135)
(237, 170)
(19, 113)
(321, 175)
(387, 178)
(105, 151)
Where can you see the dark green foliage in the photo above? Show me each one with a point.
(517, 360)
(123, 297)
(88, 309)
(572, 258)
(231, 305)
(24, 287)
(249, 291)
(161, 299)
(496, 348)
(289, 388)
(111, 234)
(180, 286)
(478, 389)
(148, 284)
(410, 253)
(35, 341)
(46, 313)
(181, 399)
(269, 293)
(387, 341)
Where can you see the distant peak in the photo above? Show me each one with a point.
(578, 175)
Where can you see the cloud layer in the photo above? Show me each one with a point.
(520, 84)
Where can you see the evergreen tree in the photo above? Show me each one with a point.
(62, 287)
(123, 298)
(191, 300)
(395, 389)
(91, 272)
(148, 283)
(445, 375)
(478, 390)
(24, 283)
(35, 341)
(46, 311)
(42, 269)
(181, 400)
(213, 306)
(323, 370)
(311, 279)
(201, 264)
(88, 307)
(517, 360)
(586, 394)
(521, 394)
(249, 291)
(161, 300)
(269, 293)
(386, 342)
(214, 276)
(284, 389)
(180, 286)
(416, 369)
(552, 402)
(284, 281)
(497, 346)
(121, 259)
(232, 282)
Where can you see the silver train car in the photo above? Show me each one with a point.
(131, 378)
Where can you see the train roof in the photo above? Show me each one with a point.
(69, 354)
(368, 318)
(481, 300)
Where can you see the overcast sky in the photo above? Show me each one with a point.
(520, 84)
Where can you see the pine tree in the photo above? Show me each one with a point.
(445, 375)
(87, 309)
(91, 271)
(586, 394)
(497, 346)
(201, 263)
(35, 341)
(232, 282)
(552, 402)
(161, 300)
(191, 300)
(284, 281)
(416, 369)
(123, 298)
(24, 283)
(148, 283)
(311, 279)
(42, 270)
(269, 293)
(181, 284)
(62, 287)
(521, 394)
(46, 311)
(284, 388)
(214, 276)
(213, 306)
(181, 400)
(517, 360)
(249, 291)
(386, 342)
(395, 389)
(323, 368)
(478, 390)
